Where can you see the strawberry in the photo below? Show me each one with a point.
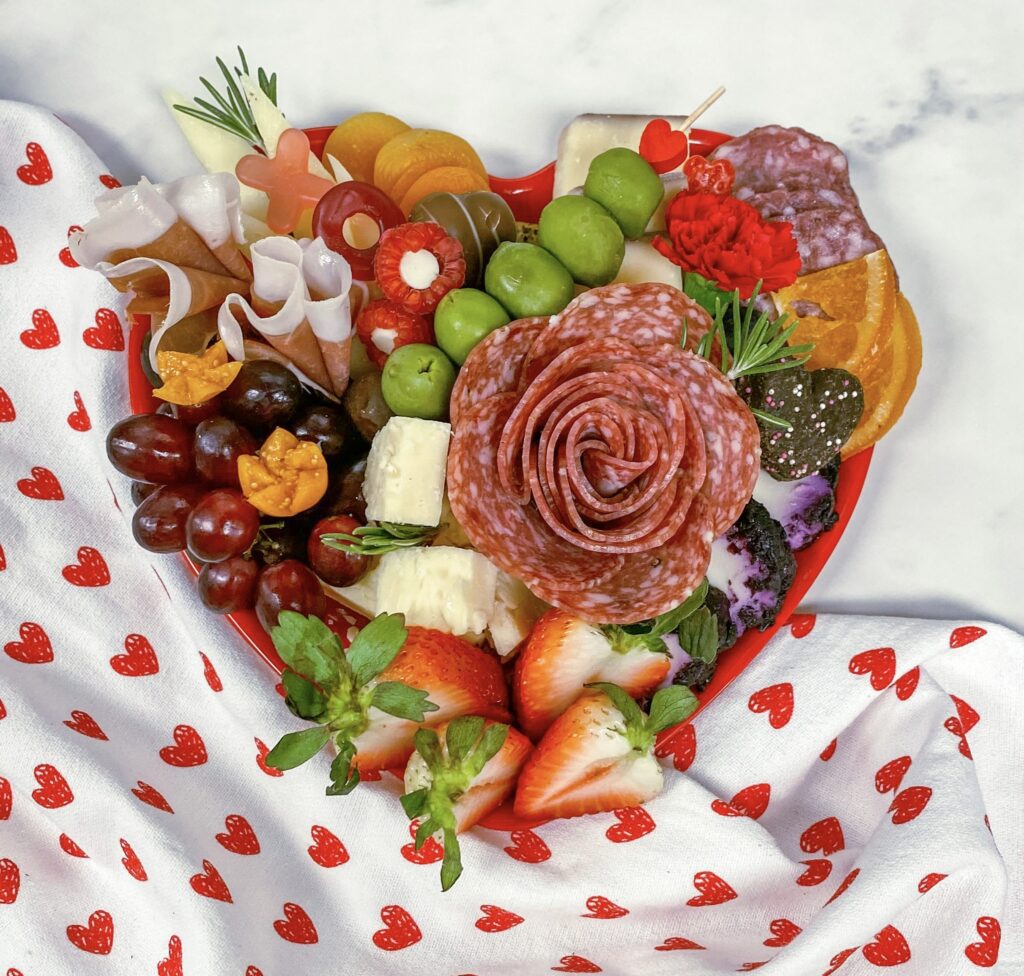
(599, 755)
(459, 678)
(383, 326)
(371, 700)
(456, 776)
(564, 653)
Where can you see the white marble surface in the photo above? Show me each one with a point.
(926, 96)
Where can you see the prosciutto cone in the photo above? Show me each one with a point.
(173, 247)
(300, 306)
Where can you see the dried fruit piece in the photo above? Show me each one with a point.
(286, 477)
(356, 142)
(443, 179)
(417, 264)
(383, 326)
(406, 157)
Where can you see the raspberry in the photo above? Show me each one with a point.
(406, 239)
(383, 326)
(709, 177)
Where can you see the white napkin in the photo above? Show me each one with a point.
(851, 801)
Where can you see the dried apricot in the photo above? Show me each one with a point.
(443, 179)
(406, 157)
(356, 142)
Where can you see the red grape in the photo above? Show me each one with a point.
(264, 394)
(198, 412)
(158, 524)
(141, 490)
(222, 524)
(331, 565)
(326, 426)
(151, 447)
(288, 585)
(230, 585)
(219, 442)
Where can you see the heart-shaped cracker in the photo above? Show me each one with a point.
(823, 406)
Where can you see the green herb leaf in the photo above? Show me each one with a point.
(451, 866)
(344, 776)
(462, 735)
(295, 748)
(400, 700)
(376, 646)
(667, 622)
(698, 635)
(303, 698)
(375, 540)
(669, 707)
(310, 648)
(414, 803)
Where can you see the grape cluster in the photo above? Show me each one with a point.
(183, 462)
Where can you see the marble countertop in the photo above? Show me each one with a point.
(926, 98)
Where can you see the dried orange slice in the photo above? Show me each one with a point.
(443, 179)
(888, 391)
(406, 157)
(356, 142)
(847, 311)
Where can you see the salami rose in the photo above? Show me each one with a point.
(595, 457)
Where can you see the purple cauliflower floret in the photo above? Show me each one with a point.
(804, 508)
(753, 565)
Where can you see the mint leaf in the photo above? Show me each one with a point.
(310, 648)
(414, 803)
(344, 777)
(451, 866)
(295, 748)
(490, 745)
(622, 701)
(669, 707)
(461, 736)
(666, 622)
(698, 635)
(303, 698)
(402, 701)
(376, 646)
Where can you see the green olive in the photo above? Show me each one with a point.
(464, 317)
(417, 381)
(625, 184)
(584, 237)
(527, 280)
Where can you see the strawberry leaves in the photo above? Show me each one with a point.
(669, 707)
(336, 691)
(470, 743)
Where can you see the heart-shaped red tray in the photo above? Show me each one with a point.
(527, 196)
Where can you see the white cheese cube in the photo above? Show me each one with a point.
(515, 612)
(405, 471)
(442, 587)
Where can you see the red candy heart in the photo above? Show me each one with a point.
(90, 570)
(825, 835)
(10, 881)
(34, 646)
(600, 907)
(777, 701)
(37, 170)
(8, 252)
(713, 890)
(496, 919)
(139, 660)
(888, 949)
(210, 884)
(131, 862)
(528, 847)
(751, 802)
(53, 790)
(986, 952)
(663, 147)
(634, 823)
(909, 803)
(107, 333)
(188, 749)
(327, 850)
(889, 777)
(43, 334)
(681, 744)
(400, 929)
(78, 419)
(239, 838)
(153, 797)
(43, 485)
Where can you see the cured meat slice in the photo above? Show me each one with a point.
(767, 157)
(494, 364)
(645, 314)
(827, 236)
(732, 439)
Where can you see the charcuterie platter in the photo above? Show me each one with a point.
(505, 477)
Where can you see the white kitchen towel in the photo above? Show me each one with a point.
(852, 801)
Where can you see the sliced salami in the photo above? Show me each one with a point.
(494, 364)
(828, 236)
(766, 157)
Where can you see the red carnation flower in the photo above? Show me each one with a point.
(727, 241)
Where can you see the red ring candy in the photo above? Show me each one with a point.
(344, 201)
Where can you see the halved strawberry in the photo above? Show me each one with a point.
(459, 678)
(564, 653)
(599, 755)
(458, 774)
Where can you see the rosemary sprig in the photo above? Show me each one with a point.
(375, 540)
(231, 111)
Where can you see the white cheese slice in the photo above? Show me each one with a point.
(515, 612)
(405, 471)
(643, 263)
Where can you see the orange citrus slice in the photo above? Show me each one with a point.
(847, 311)
(890, 386)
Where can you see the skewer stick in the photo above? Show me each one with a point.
(703, 107)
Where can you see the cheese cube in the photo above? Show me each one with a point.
(515, 612)
(442, 587)
(405, 471)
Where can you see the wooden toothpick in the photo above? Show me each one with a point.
(703, 107)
